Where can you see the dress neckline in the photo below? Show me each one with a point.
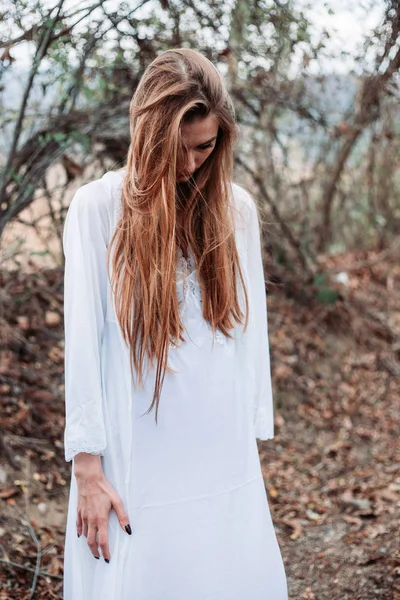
(187, 266)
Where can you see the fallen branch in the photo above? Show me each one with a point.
(19, 566)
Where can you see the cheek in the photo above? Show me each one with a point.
(206, 155)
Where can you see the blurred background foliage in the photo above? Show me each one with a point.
(319, 146)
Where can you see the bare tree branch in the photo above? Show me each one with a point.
(293, 242)
(41, 50)
(368, 111)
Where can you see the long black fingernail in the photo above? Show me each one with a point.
(96, 556)
(78, 535)
(106, 559)
(128, 529)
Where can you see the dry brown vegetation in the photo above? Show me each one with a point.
(332, 473)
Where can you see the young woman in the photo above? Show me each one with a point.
(167, 373)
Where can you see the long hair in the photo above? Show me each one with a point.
(179, 86)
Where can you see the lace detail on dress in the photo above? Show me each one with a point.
(84, 431)
(72, 449)
(188, 289)
(185, 265)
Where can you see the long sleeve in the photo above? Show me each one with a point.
(263, 400)
(85, 295)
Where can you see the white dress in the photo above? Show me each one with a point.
(191, 485)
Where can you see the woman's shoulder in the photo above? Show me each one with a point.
(242, 197)
(243, 203)
(101, 196)
(113, 182)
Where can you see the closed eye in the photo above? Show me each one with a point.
(205, 147)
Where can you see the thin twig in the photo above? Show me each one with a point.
(38, 557)
(19, 566)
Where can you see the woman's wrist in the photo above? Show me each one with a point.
(87, 465)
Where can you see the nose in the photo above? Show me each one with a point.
(190, 165)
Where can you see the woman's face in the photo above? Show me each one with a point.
(200, 138)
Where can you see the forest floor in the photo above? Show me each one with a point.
(332, 472)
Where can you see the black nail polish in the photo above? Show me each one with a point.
(96, 556)
(106, 559)
(128, 529)
(78, 535)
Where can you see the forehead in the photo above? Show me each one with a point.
(199, 131)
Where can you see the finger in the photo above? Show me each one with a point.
(121, 514)
(85, 526)
(91, 539)
(103, 539)
(79, 524)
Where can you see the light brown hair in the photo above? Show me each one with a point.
(178, 86)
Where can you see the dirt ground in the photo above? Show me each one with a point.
(332, 472)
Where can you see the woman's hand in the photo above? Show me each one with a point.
(96, 497)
